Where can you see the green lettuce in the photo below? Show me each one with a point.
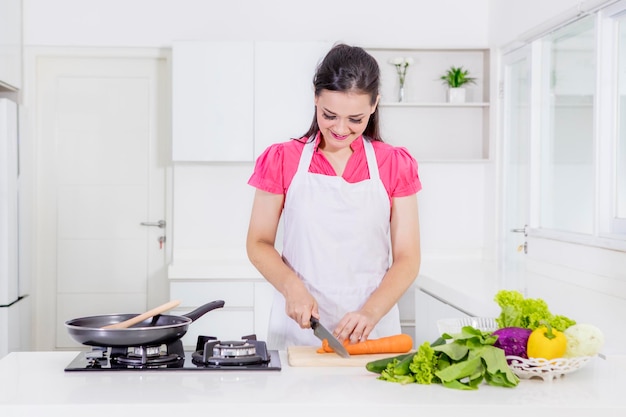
(468, 359)
(527, 313)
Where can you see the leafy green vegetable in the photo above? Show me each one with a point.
(499, 372)
(466, 374)
(481, 361)
(527, 313)
(424, 365)
(467, 360)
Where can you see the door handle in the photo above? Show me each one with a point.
(522, 230)
(160, 224)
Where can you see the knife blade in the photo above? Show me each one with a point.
(322, 333)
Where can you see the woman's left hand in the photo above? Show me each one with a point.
(355, 327)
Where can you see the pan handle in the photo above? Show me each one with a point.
(202, 310)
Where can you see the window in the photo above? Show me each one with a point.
(580, 102)
(619, 207)
(567, 167)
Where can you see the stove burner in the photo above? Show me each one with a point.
(148, 356)
(233, 349)
(144, 351)
(210, 354)
(159, 360)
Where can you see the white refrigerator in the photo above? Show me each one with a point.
(14, 308)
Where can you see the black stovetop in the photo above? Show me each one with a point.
(173, 357)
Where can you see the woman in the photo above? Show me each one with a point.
(348, 202)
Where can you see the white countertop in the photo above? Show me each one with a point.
(35, 384)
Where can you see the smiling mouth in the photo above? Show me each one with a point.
(339, 137)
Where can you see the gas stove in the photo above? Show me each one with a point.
(247, 354)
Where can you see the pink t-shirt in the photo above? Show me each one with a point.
(276, 167)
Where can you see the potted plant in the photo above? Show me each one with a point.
(456, 78)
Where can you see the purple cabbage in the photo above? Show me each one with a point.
(513, 340)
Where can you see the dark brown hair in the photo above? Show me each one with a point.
(349, 68)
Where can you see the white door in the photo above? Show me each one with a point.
(103, 140)
(516, 99)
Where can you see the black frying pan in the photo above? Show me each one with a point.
(158, 330)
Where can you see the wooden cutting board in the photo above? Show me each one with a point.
(307, 356)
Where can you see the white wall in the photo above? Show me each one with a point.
(156, 23)
(199, 201)
(508, 19)
(212, 201)
(205, 218)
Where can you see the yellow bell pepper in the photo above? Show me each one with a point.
(546, 342)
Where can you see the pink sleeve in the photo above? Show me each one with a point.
(268, 170)
(406, 181)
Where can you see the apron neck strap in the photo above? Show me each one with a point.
(372, 165)
(307, 154)
(309, 149)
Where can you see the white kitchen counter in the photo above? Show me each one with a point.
(35, 384)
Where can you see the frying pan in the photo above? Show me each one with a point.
(158, 330)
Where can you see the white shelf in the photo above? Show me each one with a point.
(432, 104)
(422, 123)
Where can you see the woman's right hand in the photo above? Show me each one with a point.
(300, 305)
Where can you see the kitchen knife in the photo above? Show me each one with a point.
(322, 333)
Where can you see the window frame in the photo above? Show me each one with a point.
(610, 224)
(608, 231)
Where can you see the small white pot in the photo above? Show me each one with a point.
(456, 95)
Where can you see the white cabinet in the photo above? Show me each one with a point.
(233, 99)
(428, 310)
(10, 44)
(406, 307)
(246, 309)
(283, 90)
(424, 122)
(15, 327)
(263, 299)
(212, 101)
(9, 204)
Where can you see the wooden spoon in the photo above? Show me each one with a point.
(141, 317)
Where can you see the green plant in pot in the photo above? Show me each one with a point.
(456, 78)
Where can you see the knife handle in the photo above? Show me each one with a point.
(314, 322)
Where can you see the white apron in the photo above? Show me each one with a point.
(336, 239)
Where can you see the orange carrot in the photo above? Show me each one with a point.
(400, 343)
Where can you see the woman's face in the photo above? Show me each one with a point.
(342, 117)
